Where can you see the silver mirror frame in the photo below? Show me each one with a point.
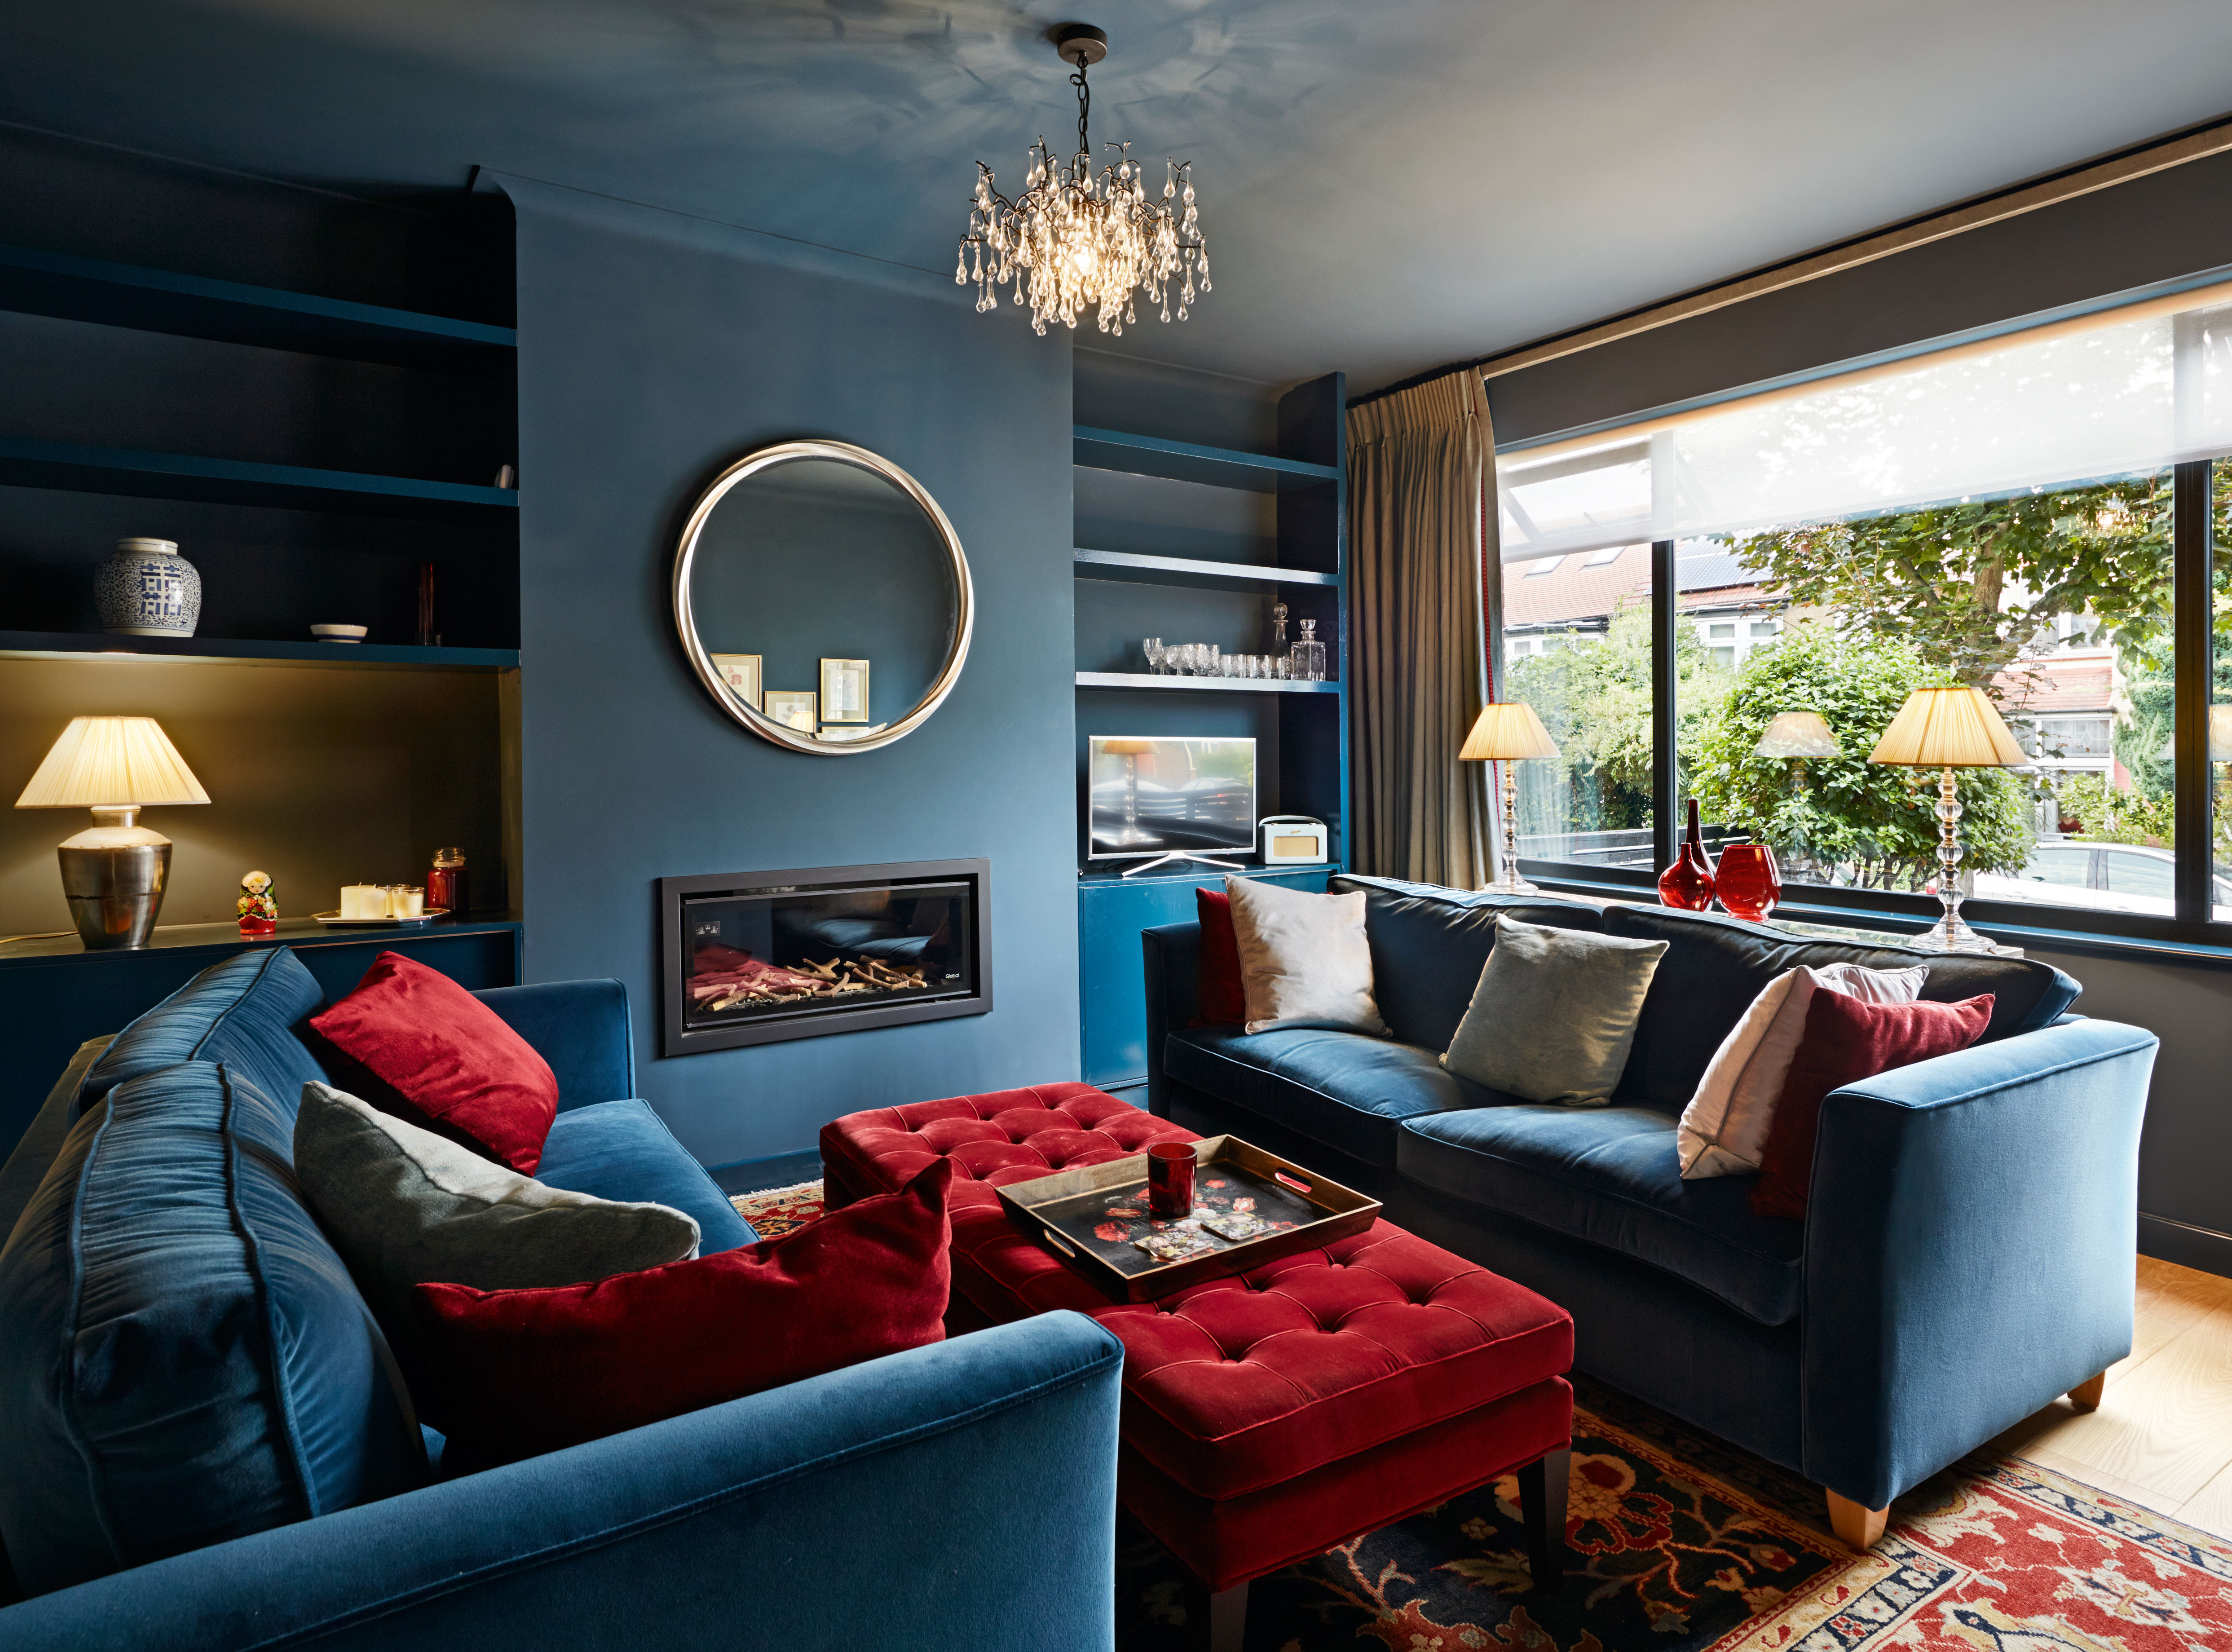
(686, 623)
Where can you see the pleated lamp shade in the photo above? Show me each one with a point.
(1956, 728)
(1128, 748)
(2220, 734)
(112, 761)
(1506, 732)
(1798, 734)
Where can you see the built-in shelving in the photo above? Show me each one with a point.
(1125, 565)
(79, 468)
(1223, 467)
(1200, 685)
(38, 282)
(97, 645)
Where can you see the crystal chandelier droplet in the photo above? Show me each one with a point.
(1078, 240)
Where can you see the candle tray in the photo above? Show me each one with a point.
(335, 921)
(1090, 1217)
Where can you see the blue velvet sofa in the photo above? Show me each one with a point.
(204, 1443)
(1969, 1253)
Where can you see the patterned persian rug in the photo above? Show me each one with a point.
(773, 1212)
(1678, 1543)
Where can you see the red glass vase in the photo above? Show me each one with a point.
(1688, 882)
(1747, 881)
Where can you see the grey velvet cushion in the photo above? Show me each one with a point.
(1553, 1017)
(405, 1206)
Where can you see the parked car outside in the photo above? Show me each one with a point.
(2105, 877)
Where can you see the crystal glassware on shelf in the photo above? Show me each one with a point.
(1308, 658)
(1278, 627)
(1278, 667)
(1152, 647)
(1212, 658)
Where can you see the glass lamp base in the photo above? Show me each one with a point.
(1951, 936)
(1511, 883)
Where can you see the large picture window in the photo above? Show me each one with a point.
(2034, 516)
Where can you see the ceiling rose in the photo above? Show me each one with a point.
(1082, 240)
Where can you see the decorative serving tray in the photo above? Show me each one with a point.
(335, 921)
(1094, 1218)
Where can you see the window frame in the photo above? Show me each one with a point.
(2191, 924)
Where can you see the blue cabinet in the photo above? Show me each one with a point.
(1111, 980)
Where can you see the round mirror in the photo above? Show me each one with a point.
(822, 597)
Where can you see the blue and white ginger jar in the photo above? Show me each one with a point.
(146, 589)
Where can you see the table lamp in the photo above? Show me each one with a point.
(1130, 751)
(1797, 734)
(1508, 733)
(114, 872)
(1947, 729)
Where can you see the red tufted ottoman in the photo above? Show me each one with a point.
(1273, 1415)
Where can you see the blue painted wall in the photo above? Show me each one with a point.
(653, 349)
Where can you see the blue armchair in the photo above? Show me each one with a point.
(781, 1519)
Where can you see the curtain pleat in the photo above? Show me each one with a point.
(1423, 600)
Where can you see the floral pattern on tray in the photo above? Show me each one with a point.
(1230, 1206)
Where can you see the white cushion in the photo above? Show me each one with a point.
(1303, 960)
(1725, 1126)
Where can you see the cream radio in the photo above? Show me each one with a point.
(1292, 840)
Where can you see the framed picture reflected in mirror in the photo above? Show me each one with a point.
(741, 672)
(792, 707)
(844, 691)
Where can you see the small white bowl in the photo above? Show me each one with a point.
(339, 633)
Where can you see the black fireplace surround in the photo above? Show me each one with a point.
(751, 958)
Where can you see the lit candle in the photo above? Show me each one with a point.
(363, 900)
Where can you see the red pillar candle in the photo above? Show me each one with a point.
(1170, 1179)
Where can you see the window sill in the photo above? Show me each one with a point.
(1897, 927)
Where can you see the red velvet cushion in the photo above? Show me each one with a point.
(1219, 1001)
(531, 1371)
(1847, 1041)
(454, 1061)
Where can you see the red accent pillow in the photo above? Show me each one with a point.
(1847, 1041)
(455, 1063)
(1219, 1001)
(529, 1371)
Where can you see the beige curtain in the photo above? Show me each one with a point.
(1420, 474)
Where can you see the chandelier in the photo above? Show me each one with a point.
(1081, 239)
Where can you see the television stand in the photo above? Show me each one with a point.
(1181, 855)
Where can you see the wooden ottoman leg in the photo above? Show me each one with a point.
(1857, 1527)
(1227, 1619)
(2086, 1397)
(1543, 1486)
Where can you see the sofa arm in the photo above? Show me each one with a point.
(581, 1029)
(1971, 1240)
(960, 1495)
(1173, 961)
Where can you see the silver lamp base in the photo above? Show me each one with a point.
(113, 875)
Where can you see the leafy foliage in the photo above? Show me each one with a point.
(2118, 817)
(1843, 819)
(1594, 698)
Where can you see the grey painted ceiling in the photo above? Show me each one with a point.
(1387, 185)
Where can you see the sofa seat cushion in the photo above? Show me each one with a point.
(185, 1357)
(623, 1151)
(242, 1011)
(1343, 1088)
(1612, 1177)
(1716, 966)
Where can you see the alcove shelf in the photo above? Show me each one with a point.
(38, 282)
(1134, 565)
(1155, 684)
(1211, 539)
(98, 645)
(78, 468)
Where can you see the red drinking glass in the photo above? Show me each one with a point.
(1170, 1179)
(1747, 883)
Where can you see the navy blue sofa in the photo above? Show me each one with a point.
(1969, 1253)
(156, 1239)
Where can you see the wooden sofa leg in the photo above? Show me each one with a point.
(1227, 1619)
(2086, 1397)
(1542, 1487)
(1856, 1527)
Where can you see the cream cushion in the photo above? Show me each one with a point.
(1553, 1016)
(1303, 960)
(1723, 1130)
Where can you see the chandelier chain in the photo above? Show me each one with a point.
(1078, 241)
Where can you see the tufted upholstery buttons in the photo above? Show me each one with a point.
(1236, 1383)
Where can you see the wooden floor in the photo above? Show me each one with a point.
(2163, 1435)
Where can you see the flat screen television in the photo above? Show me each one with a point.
(1149, 795)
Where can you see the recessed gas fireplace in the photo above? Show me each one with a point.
(754, 957)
